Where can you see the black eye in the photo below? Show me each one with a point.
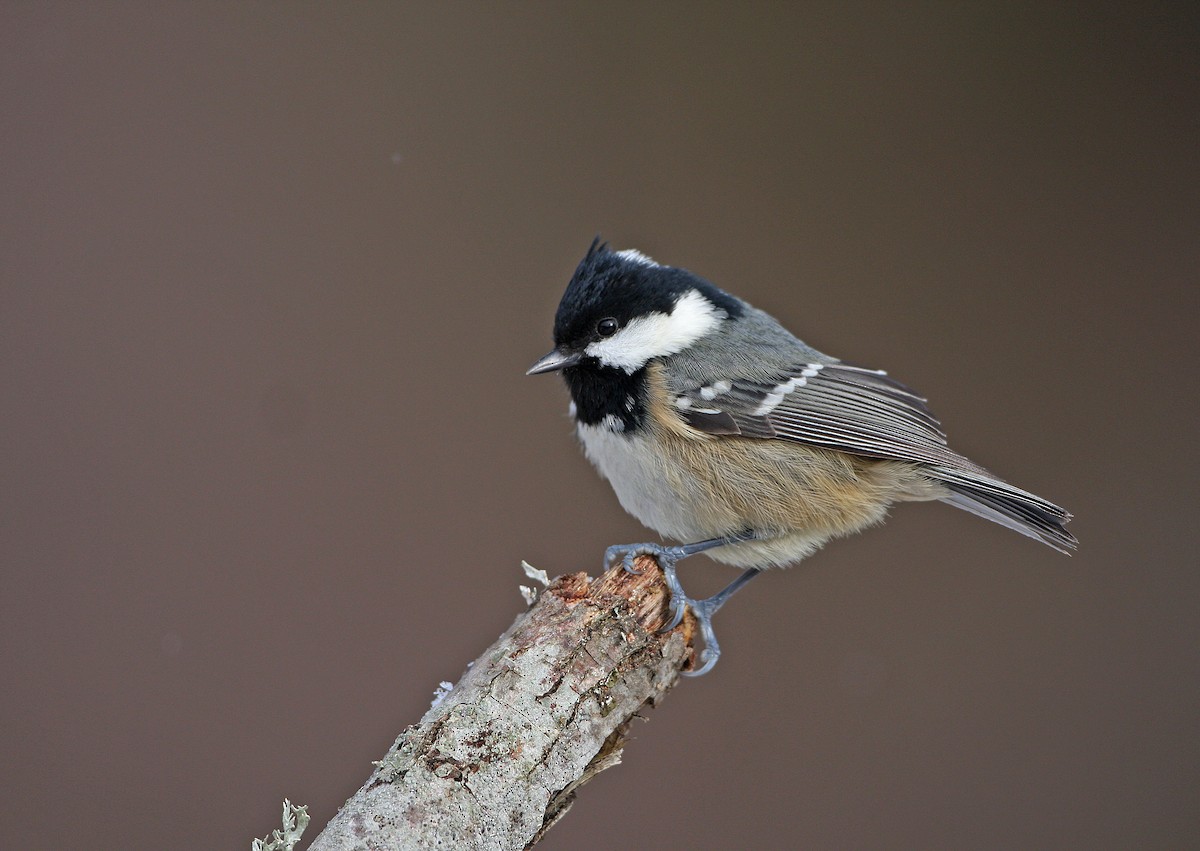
(607, 327)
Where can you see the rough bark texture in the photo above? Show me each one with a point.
(544, 709)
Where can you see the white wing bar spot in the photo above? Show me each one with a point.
(775, 397)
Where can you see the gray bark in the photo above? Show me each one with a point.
(500, 758)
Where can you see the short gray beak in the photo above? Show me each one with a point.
(555, 361)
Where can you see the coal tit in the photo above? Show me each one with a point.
(719, 428)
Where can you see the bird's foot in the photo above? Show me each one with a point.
(702, 609)
(628, 553)
(666, 558)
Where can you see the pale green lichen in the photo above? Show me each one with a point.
(295, 819)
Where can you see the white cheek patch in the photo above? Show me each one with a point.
(657, 335)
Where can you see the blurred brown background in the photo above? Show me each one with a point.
(271, 276)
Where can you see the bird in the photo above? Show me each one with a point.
(721, 430)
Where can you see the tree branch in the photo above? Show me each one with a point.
(498, 760)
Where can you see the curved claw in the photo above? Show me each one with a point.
(709, 658)
(666, 556)
(677, 607)
(625, 554)
(712, 650)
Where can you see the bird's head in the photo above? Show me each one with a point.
(621, 310)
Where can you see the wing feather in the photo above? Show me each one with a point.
(863, 412)
(836, 405)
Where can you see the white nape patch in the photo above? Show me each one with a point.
(572, 410)
(613, 423)
(657, 335)
(635, 256)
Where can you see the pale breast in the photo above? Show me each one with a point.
(648, 486)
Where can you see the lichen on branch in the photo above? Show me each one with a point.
(502, 755)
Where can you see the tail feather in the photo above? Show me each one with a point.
(1009, 506)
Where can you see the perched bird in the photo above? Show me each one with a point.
(717, 427)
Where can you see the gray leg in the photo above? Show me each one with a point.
(703, 609)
